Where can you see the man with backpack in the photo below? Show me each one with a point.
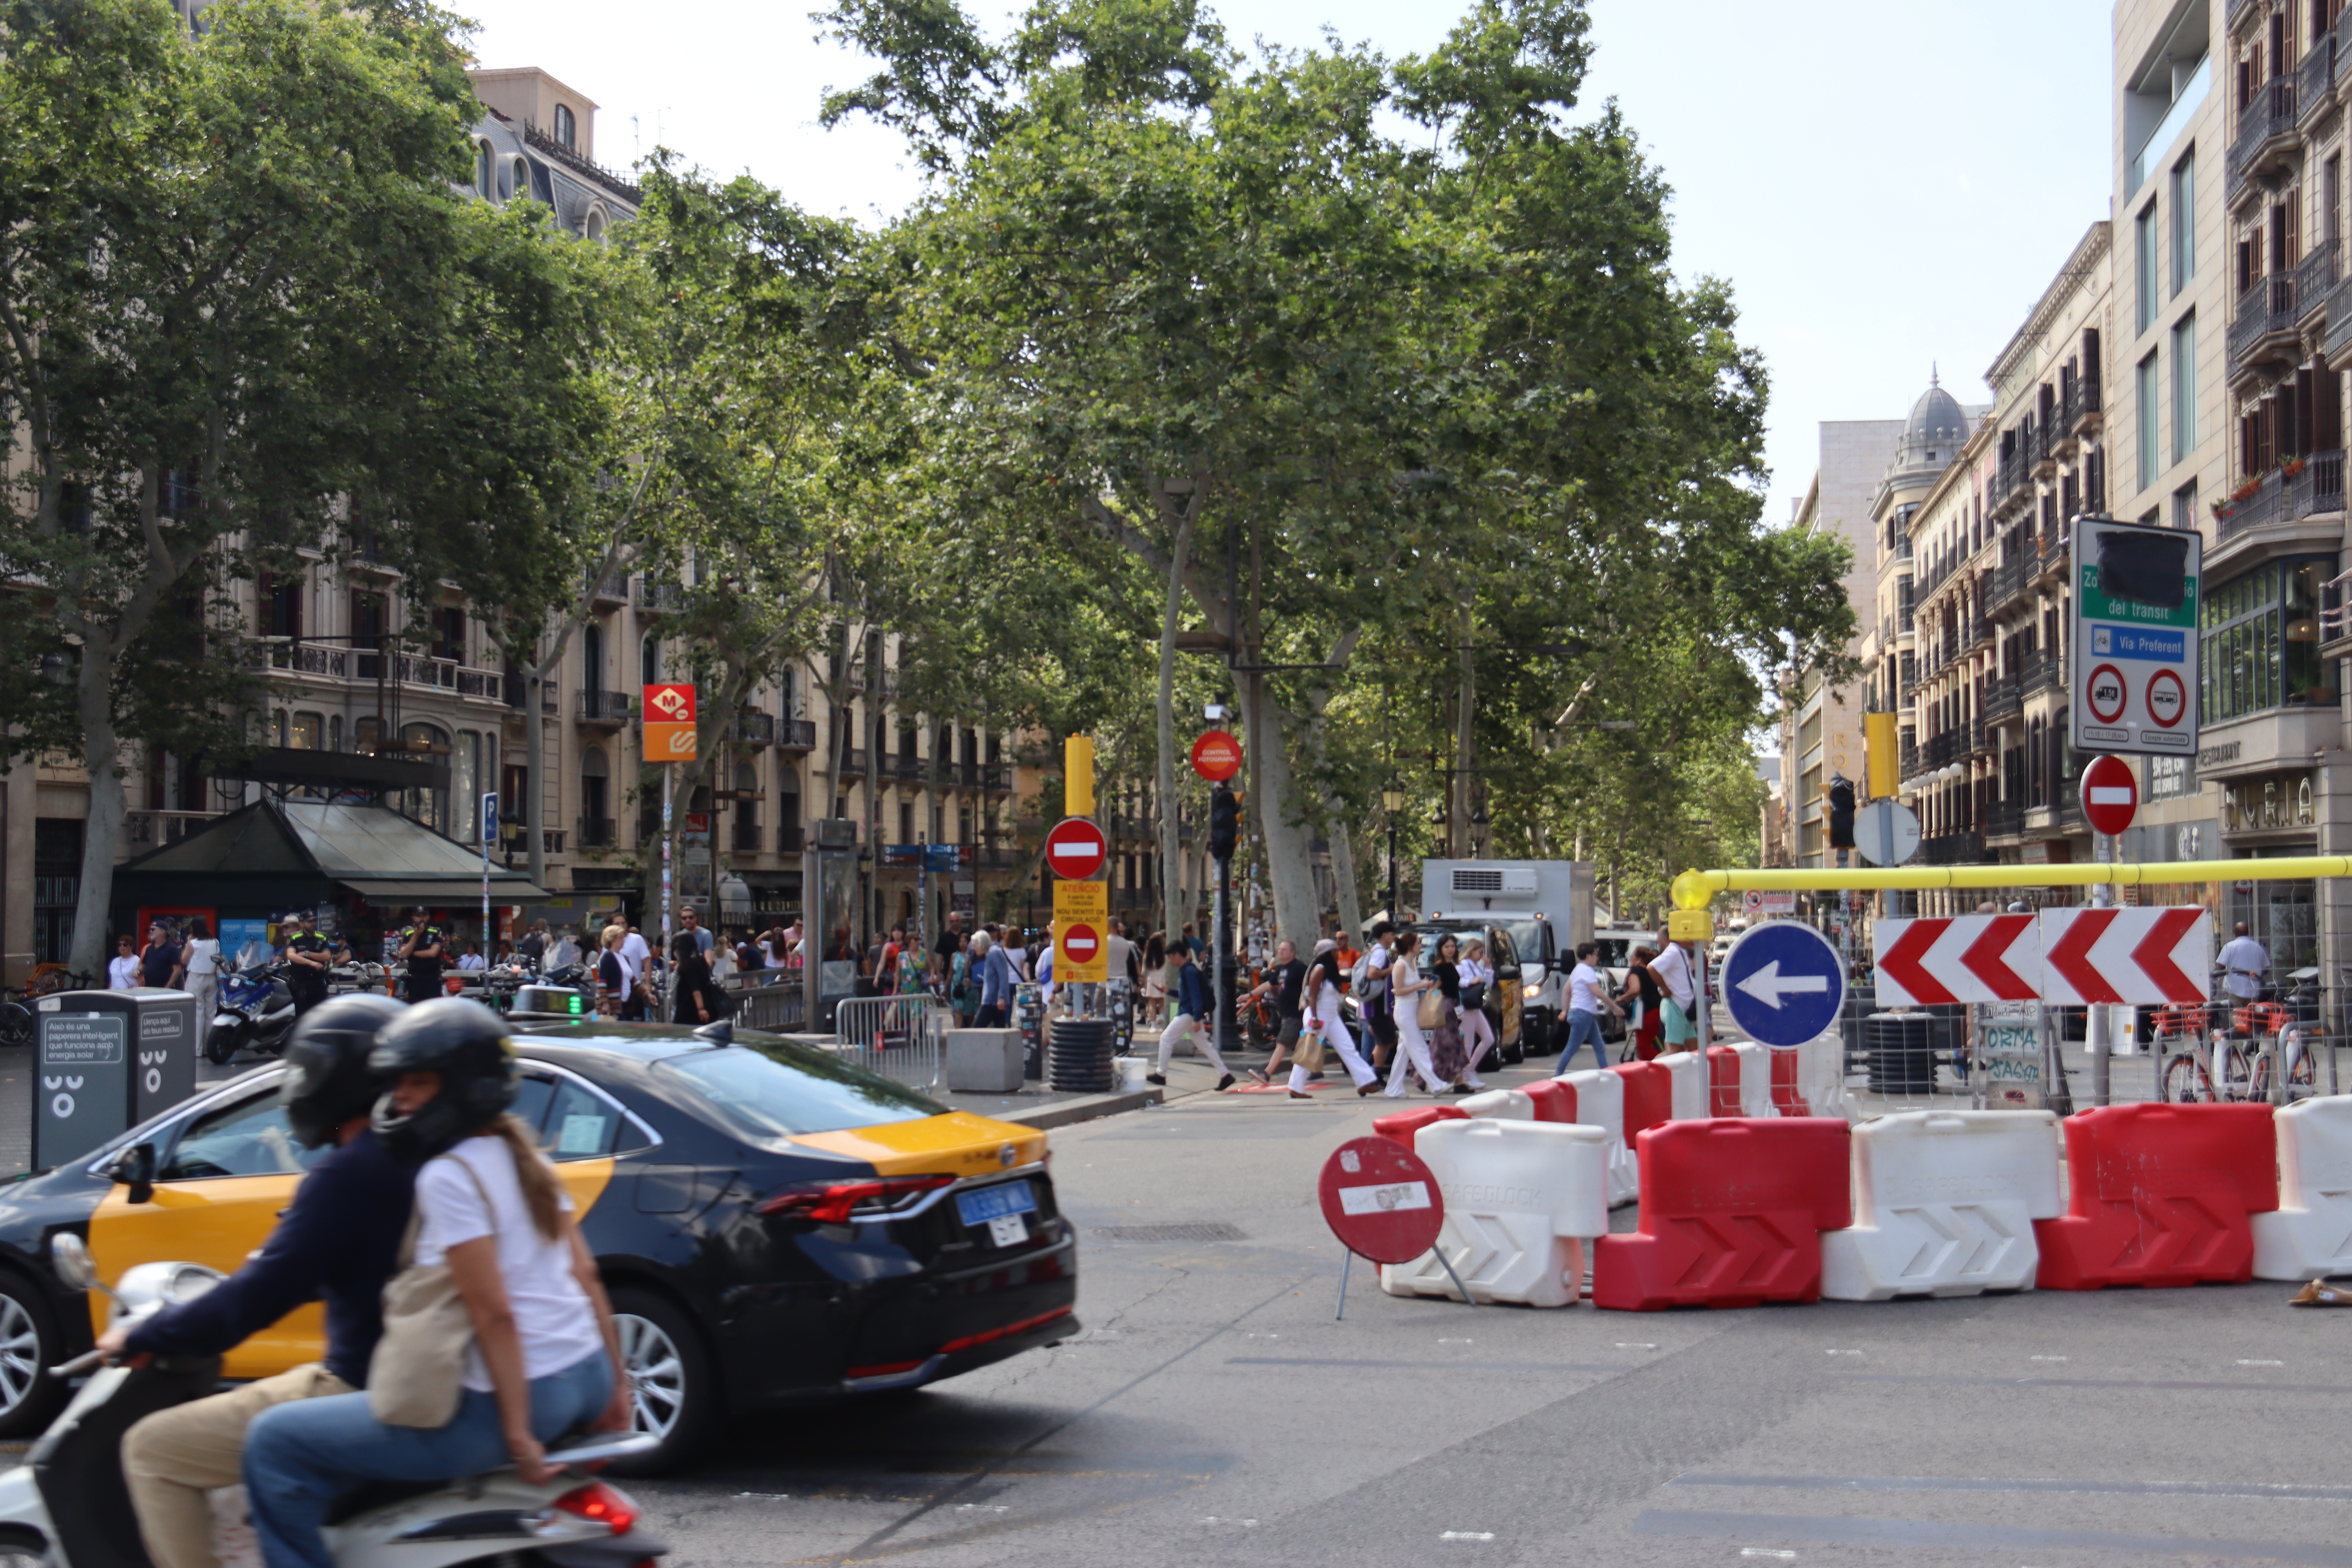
(1369, 983)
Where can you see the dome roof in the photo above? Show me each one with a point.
(1937, 419)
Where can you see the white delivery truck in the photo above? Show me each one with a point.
(1543, 907)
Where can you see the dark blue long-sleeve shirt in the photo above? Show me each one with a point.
(1192, 992)
(337, 1243)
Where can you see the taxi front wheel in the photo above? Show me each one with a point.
(29, 1345)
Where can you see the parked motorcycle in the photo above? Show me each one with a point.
(255, 1011)
(68, 1505)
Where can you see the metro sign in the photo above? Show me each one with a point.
(2062, 957)
(669, 702)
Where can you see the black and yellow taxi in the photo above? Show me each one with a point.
(773, 1224)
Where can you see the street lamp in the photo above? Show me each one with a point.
(1392, 802)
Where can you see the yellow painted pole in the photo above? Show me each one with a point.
(1078, 777)
(1705, 885)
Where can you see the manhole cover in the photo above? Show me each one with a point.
(1212, 1231)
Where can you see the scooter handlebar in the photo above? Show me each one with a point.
(81, 1362)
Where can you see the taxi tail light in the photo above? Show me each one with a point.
(601, 1503)
(832, 1203)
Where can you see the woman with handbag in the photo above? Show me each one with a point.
(1418, 1010)
(699, 999)
(1477, 1029)
(498, 1337)
(1446, 1053)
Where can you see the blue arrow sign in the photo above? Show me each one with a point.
(1783, 982)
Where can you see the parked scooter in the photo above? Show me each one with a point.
(256, 1011)
(68, 1505)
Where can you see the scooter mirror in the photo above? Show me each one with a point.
(71, 1261)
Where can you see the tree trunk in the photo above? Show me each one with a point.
(1343, 872)
(94, 695)
(1457, 811)
(1170, 851)
(534, 746)
(1288, 841)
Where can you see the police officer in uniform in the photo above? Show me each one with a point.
(423, 950)
(308, 957)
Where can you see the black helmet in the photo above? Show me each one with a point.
(327, 1079)
(467, 1043)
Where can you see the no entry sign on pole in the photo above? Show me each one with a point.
(1383, 1203)
(1075, 848)
(2110, 794)
(1216, 756)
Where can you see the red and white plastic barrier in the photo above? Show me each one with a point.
(2160, 1195)
(1944, 1204)
(1732, 1212)
(2309, 1235)
(1601, 1102)
(1688, 1070)
(1521, 1199)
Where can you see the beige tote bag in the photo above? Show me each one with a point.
(417, 1375)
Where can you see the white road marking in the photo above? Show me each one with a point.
(1466, 1535)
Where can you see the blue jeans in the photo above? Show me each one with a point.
(300, 1457)
(1582, 1026)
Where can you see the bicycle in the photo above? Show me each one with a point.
(15, 1018)
(2236, 1044)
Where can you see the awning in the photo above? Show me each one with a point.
(388, 895)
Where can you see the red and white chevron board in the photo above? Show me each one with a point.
(2063, 956)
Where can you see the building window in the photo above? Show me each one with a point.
(595, 799)
(2170, 778)
(566, 131)
(2144, 264)
(2184, 506)
(521, 178)
(482, 171)
(2148, 395)
(305, 733)
(506, 178)
(649, 662)
(429, 806)
(2184, 386)
(2261, 640)
(2184, 222)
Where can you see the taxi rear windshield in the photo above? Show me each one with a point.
(782, 1090)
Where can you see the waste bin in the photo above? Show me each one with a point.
(1901, 1047)
(1081, 1053)
(106, 1062)
(1029, 1017)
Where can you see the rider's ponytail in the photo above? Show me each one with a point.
(542, 1190)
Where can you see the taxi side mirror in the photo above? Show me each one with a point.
(135, 1169)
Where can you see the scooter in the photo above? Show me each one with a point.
(68, 1505)
(256, 1011)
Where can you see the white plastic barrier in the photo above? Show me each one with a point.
(1689, 1068)
(1944, 1204)
(1601, 1102)
(1499, 1105)
(1821, 1077)
(1520, 1199)
(1755, 1081)
(2310, 1232)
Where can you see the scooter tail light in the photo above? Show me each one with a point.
(601, 1503)
(832, 1203)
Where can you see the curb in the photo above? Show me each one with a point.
(1086, 1108)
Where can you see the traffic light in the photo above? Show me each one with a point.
(1841, 815)
(1224, 822)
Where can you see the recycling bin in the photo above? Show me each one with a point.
(106, 1062)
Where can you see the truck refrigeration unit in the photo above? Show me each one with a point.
(1544, 907)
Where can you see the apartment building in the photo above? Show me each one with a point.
(1820, 727)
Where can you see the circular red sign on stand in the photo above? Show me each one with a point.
(1381, 1200)
(1216, 756)
(1075, 848)
(1081, 943)
(2110, 795)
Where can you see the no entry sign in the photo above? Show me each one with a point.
(2110, 794)
(1216, 756)
(1075, 848)
(1381, 1201)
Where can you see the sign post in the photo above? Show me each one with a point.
(669, 739)
(2110, 800)
(490, 832)
(1383, 1202)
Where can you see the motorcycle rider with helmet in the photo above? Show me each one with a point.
(338, 1242)
(545, 1358)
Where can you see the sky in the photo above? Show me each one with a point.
(1887, 187)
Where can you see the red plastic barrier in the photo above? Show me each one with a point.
(2160, 1197)
(1732, 1212)
(1785, 1097)
(1722, 1081)
(1649, 1097)
(1401, 1125)
(1554, 1100)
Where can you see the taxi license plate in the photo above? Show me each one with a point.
(999, 1208)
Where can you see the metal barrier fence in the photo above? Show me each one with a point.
(772, 999)
(901, 1037)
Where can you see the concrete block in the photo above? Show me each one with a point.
(985, 1061)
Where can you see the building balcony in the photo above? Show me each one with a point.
(2007, 583)
(609, 709)
(2041, 451)
(1952, 849)
(594, 832)
(2080, 411)
(788, 839)
(2315, 488)
(149, 829)
(656, 597)
(752, 727)
(2335, 619)
(744, 837)
(513, 687)
(906, 769)
(2014, 478)
(853, 761)
(515, 839)
(1909, 767)
(2002, 698)
(2265, 325)
(2265, 138)
(2314, 278)
(2039, 673)
(2004, 819)
(2315, 79)
(2049, 557)
(610, 591)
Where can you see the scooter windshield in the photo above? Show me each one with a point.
(252, 955)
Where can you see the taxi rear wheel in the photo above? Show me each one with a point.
(28, 1344)
(675, 1397)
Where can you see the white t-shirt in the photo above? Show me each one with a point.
(1671, 967)
(469, 961)
(633, 949)
(552, 1313)
(122, 973)
(202, 957)
(1584, 988)
(2245, 959)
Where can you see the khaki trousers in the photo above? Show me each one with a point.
(175, 1457)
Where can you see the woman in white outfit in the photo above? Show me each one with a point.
(1323, 991)
(1477, 1032)
(200, 970)
(1406, 983)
